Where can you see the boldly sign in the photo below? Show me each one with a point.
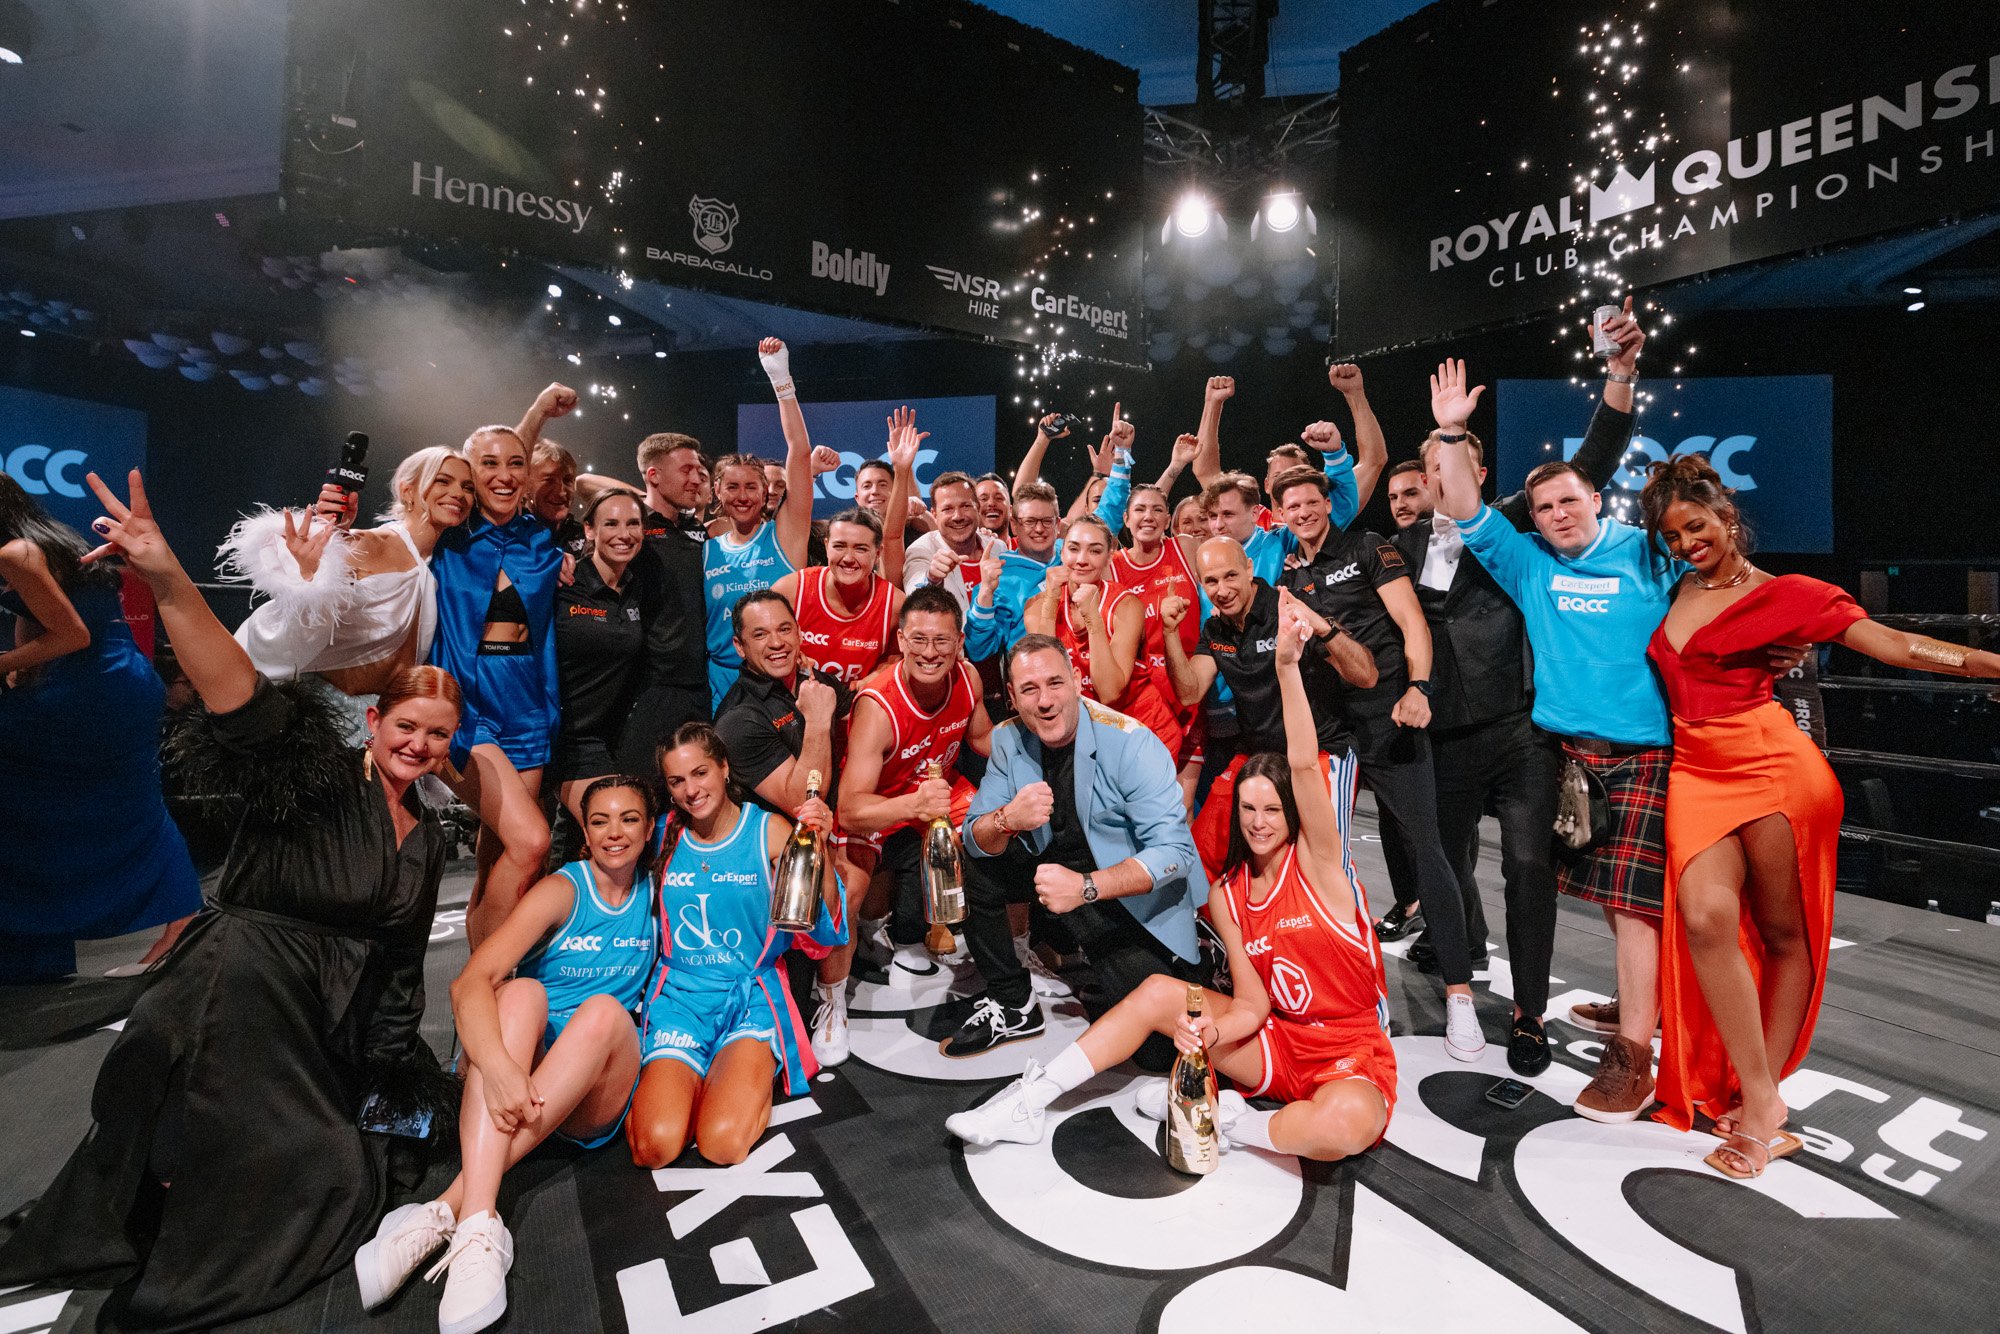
(1769, 437)
(1745, 131)
(997, 195)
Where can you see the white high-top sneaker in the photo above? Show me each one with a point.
(1014, 1114)
(829, 1025)
(406, 1238)
(475, 1286)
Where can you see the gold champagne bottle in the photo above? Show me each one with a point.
(801, 873)
(943, 872)
(1194, 1145)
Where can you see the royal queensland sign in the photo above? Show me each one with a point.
(1745, 130)
(48, 442)
(1769, 437)
(961, 439)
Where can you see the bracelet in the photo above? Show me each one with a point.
(1104, 475)
(1944, 655)
(1613, 377)
(1458, 439)
(1000, 821)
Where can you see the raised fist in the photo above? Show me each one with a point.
(816, 703)
(1346, 377)
(1030, 808)
(1220, 387)
(1173, 610)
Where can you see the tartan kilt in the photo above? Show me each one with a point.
(1628, 867)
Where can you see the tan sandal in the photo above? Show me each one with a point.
(1781, 1145)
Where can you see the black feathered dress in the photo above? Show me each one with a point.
(240, 1072)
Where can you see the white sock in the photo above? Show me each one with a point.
(1069, 1069)
(1251, 1130)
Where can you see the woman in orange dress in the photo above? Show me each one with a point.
(1753, 818)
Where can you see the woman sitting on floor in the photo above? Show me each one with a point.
(1316, 1037)
(720, 1022)
(551, 1050)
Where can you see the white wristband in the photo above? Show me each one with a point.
(778, 365)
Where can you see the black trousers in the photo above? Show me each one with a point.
(1402, 871)
(1120, 952)
(1406, 797)
(1515, 764)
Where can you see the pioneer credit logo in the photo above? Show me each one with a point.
(844, 266)
(1102, 319)
(570, 213)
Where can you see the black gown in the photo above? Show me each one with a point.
(240, 1073)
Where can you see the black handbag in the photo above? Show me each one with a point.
(1583, 808)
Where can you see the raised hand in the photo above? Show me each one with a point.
(1631, 339)
(1293, 632)
(817, 701)
(1088, 602)
(1314, 622)
(558, 400)
(1346, 377)
(129, 531)
(1048, 421)
(990, 568)
(904, 439)
(1451, 402)
(777, 364)
(1220, 388)
(825, 459)
(1122, 431)
(307, 541)
(1185, 446)
(1323, 436)
(1055, 579)
(337, 505)
(1173, 610)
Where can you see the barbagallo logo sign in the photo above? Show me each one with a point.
(714, 224)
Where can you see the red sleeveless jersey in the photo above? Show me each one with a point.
(848, 647)
(1315, 970)
(917, 737)
(1077, 640)
(1155, 703)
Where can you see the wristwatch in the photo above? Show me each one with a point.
(1090, 889)
(1446, 437)
(1424, 686)
(1615, 378)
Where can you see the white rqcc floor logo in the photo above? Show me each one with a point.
(714, 224)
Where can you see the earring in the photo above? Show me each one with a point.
(368, 759)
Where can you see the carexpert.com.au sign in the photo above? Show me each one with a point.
(1687, 137)
(1769, 437)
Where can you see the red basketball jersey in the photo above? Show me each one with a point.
(1077, 640)
(1314, 969)
(848, 647)
(1155, 703)
(917, 737)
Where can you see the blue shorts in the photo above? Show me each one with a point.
(507, 707)
(693, 1026)
(550, 1033)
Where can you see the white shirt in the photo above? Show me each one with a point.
(917, 559)
(1441, 557)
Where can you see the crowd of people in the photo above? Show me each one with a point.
(1145, 723)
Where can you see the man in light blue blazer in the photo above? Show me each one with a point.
(1080, 809)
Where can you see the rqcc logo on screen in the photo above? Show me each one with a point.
(42, 471)
(1728, 455)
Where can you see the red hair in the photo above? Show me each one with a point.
(419, 683)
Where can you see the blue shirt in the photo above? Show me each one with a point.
(598, 951)
(1589, 617)
(989, 630)
(730, 568)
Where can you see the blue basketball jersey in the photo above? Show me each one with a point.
(716, 904)
(599, 950)
(729, 569)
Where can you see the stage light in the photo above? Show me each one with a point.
(1192, 215)
(9, 56)
(1913, 291)
(1281, 212)
(555, 289)
(615, 321)
(1914, 306)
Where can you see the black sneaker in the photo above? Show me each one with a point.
(991, 1025)
(1424, 956)
(1527, 1047)
(1399, 921)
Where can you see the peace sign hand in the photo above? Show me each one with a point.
(130, 533)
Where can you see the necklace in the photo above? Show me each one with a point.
(1732, 581)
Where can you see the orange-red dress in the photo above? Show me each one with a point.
(1738, 757)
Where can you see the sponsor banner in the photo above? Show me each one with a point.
(1770, 437)
(1690, 136)
(999, 195)
(961, 439)
(48, 442)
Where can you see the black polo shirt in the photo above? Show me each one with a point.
(569, 536)
(761, 727)
(1340, 584)
(1247, 659)
(601, 646)
(677, 638)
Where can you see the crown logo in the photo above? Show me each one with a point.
(1624, 195)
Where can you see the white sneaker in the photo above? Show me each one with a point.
(1040, 976)
(912, 961)
(1009, 1115)
(405, 1240)
(1229, 1104)
(829, 1028)
(475, 1288)
(1463, 1037)
(874, 943)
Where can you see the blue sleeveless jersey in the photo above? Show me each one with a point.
(719, 948)
(729, 569)
(599, 951)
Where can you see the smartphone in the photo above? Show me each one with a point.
(1508, 1093)
(376, 1117)
(1064, 422)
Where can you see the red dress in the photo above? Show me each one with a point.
(1738, 757)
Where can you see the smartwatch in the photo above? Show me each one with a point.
(1424, 686)
(1090, 889)
(1445, 437)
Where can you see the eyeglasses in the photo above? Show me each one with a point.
(923, 643)
(1026, 522)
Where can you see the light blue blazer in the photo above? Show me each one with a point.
(1129, 800)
